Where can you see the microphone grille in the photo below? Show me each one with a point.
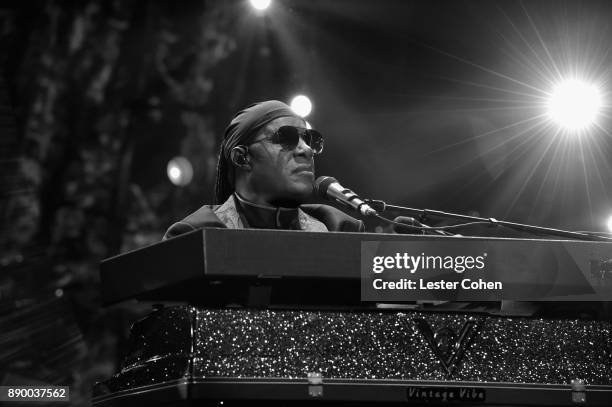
(321, 185)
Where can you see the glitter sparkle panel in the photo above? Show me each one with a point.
(390, 346)
(364, 345)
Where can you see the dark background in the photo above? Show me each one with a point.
(429, 104)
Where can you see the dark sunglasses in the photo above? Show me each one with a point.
(289, 138)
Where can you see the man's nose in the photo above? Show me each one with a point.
(304, 149)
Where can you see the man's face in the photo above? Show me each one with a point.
(280, 175)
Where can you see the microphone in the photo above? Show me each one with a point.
(412, 224)
(330, 188)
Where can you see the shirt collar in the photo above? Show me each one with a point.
(266, 216)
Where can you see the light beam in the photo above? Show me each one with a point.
(301, 105)
(260, 5)
(574, 104)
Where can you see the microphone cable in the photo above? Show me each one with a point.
(461, 225)
(437, 229)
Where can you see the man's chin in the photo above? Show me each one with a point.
(300, 192)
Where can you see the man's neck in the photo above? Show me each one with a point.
(264, 202)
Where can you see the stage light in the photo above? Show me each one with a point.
(180, 171)
(574, 104)
(610, 223)
(260, 4)
(301, 105)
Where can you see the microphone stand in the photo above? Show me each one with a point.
(424, 213)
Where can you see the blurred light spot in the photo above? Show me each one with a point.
(574, 104)
(610, 223)
(308, 126)
(301, 105)
(260, 4)
(264, 52)
(180, 171)
(59, 292)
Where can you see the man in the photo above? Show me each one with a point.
(265, 173)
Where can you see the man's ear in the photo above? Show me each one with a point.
(240, 157)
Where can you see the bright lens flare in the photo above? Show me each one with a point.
(610, 223)
(574, 104)
(180, 171)
(260, 4)
(301, 105)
